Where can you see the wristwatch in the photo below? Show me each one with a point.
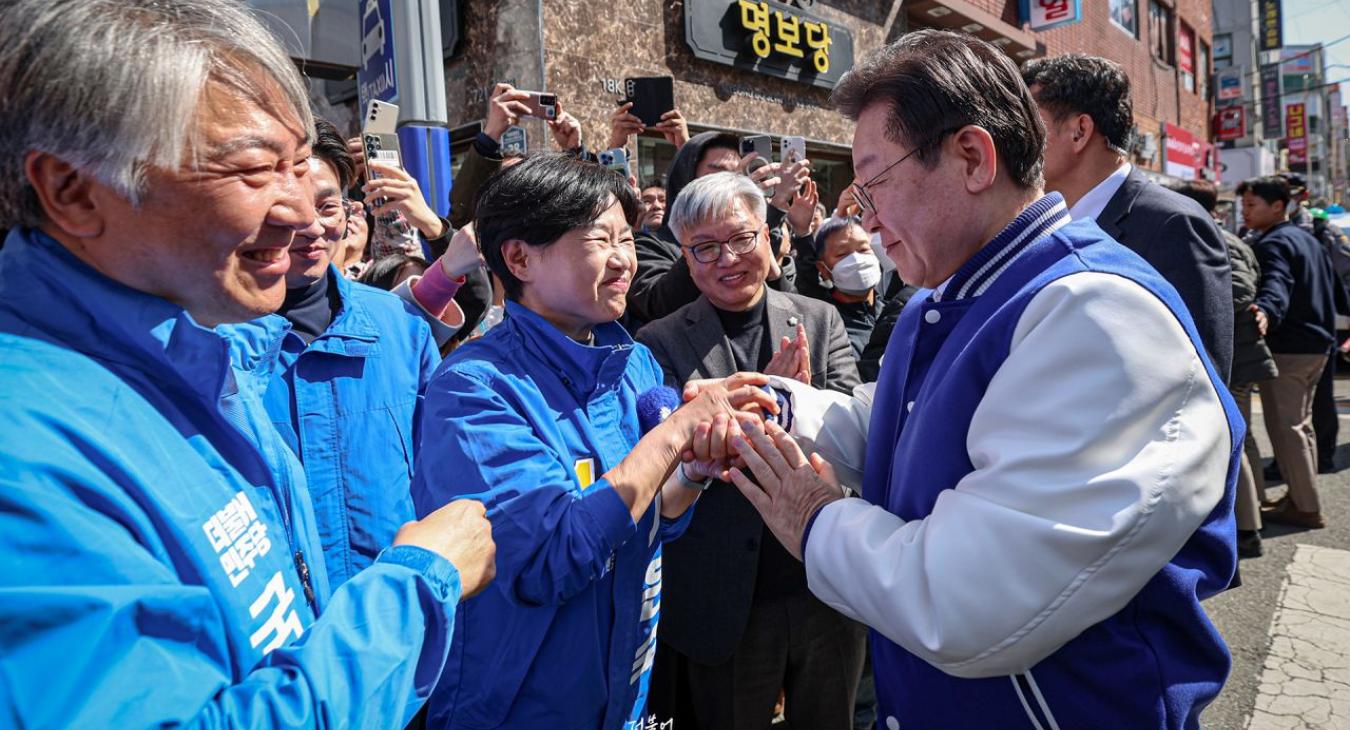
(688, 483)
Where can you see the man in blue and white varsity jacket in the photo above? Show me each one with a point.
(1049, 459)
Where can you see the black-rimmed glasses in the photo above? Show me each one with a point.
(706, 252)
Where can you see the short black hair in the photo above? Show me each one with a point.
(1271, 188)
(1201, 191)
(934, 82)
(654, 182)
(1079, 84)
(330, 147)
(541, 199)
(382, 273)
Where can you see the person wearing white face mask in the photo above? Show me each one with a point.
(851, 272)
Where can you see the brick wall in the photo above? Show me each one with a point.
(1154, 84)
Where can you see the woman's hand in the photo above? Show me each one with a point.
(461, 254)
(401, 194)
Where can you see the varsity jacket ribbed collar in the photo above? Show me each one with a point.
(1038, 220)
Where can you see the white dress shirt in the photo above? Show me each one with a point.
(1092, 204)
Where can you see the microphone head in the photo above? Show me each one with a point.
(655, 405)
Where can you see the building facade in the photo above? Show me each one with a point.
(767, 67)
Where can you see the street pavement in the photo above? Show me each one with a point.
(1288, 625)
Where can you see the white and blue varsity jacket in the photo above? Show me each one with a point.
(1047, 468)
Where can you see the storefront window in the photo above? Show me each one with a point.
(1123, 14)
(1160, 32)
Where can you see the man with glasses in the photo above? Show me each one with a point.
(1051, 454)
(738, 623)
(352, 369)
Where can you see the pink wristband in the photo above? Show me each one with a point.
(435, 290)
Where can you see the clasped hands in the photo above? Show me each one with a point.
(733, 437)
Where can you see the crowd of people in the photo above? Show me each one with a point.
(692, 452)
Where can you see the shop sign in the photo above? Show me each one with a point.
(1047, 14)
(1296, 61)
(769, 37)
(1270, 17)
(1182, 154)
(1295, 121)
(1272, 114)
(1230, 124)
(1230, 83)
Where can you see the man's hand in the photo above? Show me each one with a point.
(461, 254)
(791, 487)
(566, 130)
(1262, 322)
(401, 194)
(358, 152)
(505, 108)
(791, 178)
(622, 126)
(459, 532)
(793, 359)
(802, 211)
(848, 203)
(673, 127)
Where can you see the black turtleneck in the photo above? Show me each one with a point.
(310, 309)
(748, 335)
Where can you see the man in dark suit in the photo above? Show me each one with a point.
(1085, 104)
(738, 623)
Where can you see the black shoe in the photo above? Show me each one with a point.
(1249, 544)
(1272, 472)
(1326, 467)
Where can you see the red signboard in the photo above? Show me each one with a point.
(1230, 123)
(1182, 155)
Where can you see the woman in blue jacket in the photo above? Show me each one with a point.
(539, 420)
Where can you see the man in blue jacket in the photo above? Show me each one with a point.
(1296, 310)
(351, 371)
(161, 565)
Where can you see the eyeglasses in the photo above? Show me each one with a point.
(860, 189)
(333, 214)
(706, 252)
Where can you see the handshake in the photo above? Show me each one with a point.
(739, 426)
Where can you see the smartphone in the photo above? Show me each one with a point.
(652, 96)
(791, 149)
(542, 106)
(513, 140)
(379, 134)
(615, 159)
(758, 143)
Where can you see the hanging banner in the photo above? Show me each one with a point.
(1047, 14)
(1295, 120)
(1272, 114)
(1270, 17)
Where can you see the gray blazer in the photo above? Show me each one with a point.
(708, 575)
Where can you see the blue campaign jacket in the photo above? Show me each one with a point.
(1154, 664)
(150, 519)
(527, 420)
(347, 405)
